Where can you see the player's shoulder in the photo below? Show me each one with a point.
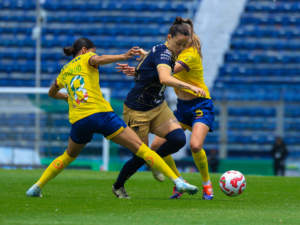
(191, 50)
(160, 48)
(86, 55)
(189, 54)
(161, 51)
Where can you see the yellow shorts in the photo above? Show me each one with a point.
(143, 122)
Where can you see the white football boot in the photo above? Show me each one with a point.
(156, 174)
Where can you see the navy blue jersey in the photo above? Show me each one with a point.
(148, 92)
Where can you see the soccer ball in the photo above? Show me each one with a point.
(232, 183)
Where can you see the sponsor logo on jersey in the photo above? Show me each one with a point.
(138, 122)
(168, 52)
(165, 55)
(165, 58)
(136, 129)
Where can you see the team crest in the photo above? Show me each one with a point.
(150, 161)
(58, 164)
(136, 129)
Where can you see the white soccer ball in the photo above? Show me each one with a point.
(232, 183)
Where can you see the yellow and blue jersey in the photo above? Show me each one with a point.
(81, 81)
(148, 92)
(191, 61)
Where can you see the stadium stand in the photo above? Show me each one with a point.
(262, 64)
(114, 27)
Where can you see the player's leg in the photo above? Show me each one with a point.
(56, 167)
(130, 140)
(80, 135)
(157, 142)
(166, 126)
(199, 133)
(140, 123)
(161, 143)
(175, 140)
(129, 168)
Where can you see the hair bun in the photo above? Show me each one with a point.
(68, 51)
(178, 20)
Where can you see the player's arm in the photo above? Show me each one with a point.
(178, 68)
(107, 59)
(166, 78)
(56, 94)
(130, 71)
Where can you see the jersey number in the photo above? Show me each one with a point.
(77, 87)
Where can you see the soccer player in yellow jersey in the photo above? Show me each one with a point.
(90, 113)
(195, 113)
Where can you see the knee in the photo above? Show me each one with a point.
(180, 141)
(177, 139)
(196, 147)
(154, 146)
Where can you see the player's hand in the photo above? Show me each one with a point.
(131, 53)
(200, 92)
(141, 52)
(128, 70)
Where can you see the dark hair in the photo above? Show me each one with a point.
(179, 27)
(78, 45)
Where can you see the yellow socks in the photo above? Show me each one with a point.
(58, 165)
(202, 165)
(155, 161)
(170, 162)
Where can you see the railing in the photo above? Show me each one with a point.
(224, 106)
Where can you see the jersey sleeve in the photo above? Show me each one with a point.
(187, 59)
(87, 58)
(59, 82)
(163, 57)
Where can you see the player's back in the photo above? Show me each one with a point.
(81, 81)
(148, 92)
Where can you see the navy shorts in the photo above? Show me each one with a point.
(196, 110)
(109, 124)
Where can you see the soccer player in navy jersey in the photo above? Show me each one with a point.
(195, 113)
(145, 109)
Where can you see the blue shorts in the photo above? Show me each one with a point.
(109, 124)
(196, 110)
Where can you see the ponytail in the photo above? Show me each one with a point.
(195, 40)
(196, 44)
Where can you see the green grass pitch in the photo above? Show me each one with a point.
(85, 197)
